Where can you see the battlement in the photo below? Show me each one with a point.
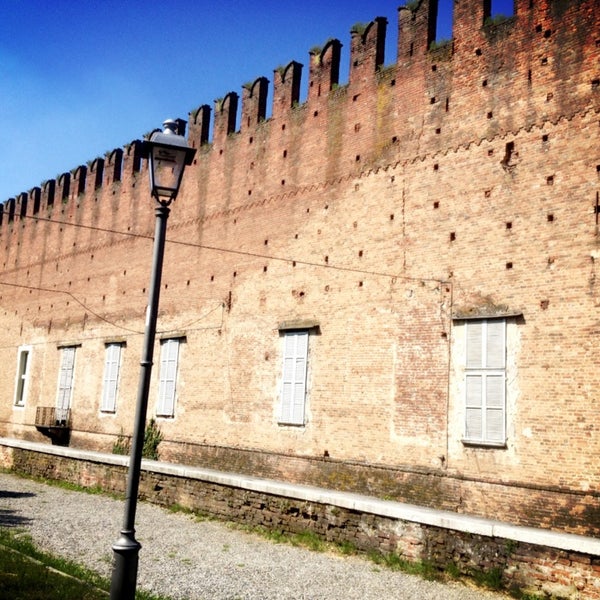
(539, 64)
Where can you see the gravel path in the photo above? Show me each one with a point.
(186, 559)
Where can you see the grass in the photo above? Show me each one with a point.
(491, 579)
(27, 573)
(395, 562)
(312, 541)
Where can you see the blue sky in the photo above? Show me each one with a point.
(81, 77)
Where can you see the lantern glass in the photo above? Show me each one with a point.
(166, 169)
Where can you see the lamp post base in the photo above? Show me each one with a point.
(125, 566)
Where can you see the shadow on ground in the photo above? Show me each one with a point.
(9, 517)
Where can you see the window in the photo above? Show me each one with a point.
(293, 386)
(169, 356)
(485, 382)
(112, 363)
(22, 381)
(65, 384)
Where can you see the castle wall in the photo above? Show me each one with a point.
(460, 181)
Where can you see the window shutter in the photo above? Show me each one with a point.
(485, 377)
(474, 345)
(474, 408)
(111, 377)
(494, 417)
(495, 344)
(169, 354)
(63, 401)
(293, 392)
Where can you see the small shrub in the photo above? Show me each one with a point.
(437, 44)
(152, 438)
(121, 445)
(413, 5)
(495, 20)
(359, 28)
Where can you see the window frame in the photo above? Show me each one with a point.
(22, 376)
(111, 377)
(485, 364)
(292, 411)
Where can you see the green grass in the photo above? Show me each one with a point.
(27, 573)
(490, 579)
(395, 562)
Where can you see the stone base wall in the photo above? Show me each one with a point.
(551, 507)
(518, 565)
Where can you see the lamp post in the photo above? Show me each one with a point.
(168, 154)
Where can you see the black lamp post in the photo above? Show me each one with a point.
(168, 154)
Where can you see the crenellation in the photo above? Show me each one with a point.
(199, 121)
(48, 193)
(416, 32)
(35, 195)
(367, 49)
(286, 88)
(469, 17)
(513, 55)
(114, 166)
(21, 208)
(180, 127)
(63, 186)
(96, 178)
(10, 210)
(324, 70)
(225, 117)
(78, 179)
(254, 103)
(132, 158)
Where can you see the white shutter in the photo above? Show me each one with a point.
(474, 344)
(169, 355)
(293, 389)
(494, 408)
(495, 347)
(474, 408)
(111, 377)
(485, 405)
(65, 383)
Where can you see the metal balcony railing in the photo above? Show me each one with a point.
(52, 417)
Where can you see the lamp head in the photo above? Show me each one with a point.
(168, 154)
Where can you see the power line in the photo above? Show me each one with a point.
(243, 252)
(84, 306)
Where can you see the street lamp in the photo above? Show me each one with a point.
(168, 154)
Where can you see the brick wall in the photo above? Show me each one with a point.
(454, 181)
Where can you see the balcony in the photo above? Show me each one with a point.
(54, 423)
